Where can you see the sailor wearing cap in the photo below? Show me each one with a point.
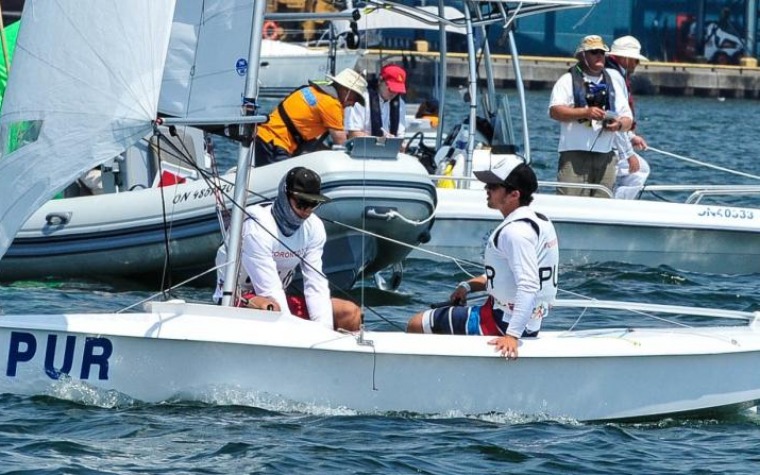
(278, 238)
(590, 104)
(307, 116)
(521, 262)
(382, 113)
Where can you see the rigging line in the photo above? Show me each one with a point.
(175, 287)
(248, 215)
(637, 312)
(205, 175)
(704, 164)
(184, 155)
(401, 243)
(165, 275)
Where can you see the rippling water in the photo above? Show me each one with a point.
(237, 433)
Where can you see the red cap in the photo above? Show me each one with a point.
(395, 77)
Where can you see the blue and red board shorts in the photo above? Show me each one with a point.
(467, 320)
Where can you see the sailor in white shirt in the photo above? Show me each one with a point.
(278, 238)
(521, 263)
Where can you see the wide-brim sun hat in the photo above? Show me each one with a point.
(591, 42)
(352, 81)
(627, 47)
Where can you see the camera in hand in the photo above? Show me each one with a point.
(596, 95)
(609, 117)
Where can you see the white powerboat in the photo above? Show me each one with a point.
(286, 66)
(692, 235)
(181, 351)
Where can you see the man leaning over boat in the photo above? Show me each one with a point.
(521, 263)
(310, 114)
(590, 104)
(278, 238)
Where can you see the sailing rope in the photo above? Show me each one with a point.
(704, 164)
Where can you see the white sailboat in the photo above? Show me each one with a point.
(177, 350)
(143, 232)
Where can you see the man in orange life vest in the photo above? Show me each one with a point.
(307, 116)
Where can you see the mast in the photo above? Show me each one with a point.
(244, 155)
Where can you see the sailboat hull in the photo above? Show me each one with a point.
(193, 352)
(123, 235)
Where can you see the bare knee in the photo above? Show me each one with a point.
(346, 315)
(415, 324)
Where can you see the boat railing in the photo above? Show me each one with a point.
(698, 192)
(582, 186)
(462, 181)
(751, 317)
(701, 191)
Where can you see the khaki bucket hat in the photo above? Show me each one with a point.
(351, 80)
(591, 42)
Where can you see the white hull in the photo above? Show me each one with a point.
(192, 351)
(698, 238)
(121, 235)
(284, 66)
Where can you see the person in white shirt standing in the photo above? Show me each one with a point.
(590, 104)
(521, 264)
(383, 113)
(632, 170)
(279, 237)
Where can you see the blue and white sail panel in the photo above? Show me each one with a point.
(208, 59)
(84, 86)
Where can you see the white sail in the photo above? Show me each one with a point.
(84, 86)
(208, 59)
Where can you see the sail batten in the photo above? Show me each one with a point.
(84, 86)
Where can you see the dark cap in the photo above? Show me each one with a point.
(304, 183)
(523, 179)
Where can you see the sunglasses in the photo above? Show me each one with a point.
(595, 51)
(305, 204)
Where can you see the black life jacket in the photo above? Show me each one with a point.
(581, 87)
(376, 117)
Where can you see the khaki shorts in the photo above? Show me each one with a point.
(586, 167)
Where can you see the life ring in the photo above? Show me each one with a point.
(270, 30)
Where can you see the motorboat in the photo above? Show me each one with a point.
(176, 351)
(141, 231)
(698, 233)
(154, 234)
(286, 66)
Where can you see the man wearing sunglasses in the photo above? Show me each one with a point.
(591, 106)
(279, 237)
(521, 262)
